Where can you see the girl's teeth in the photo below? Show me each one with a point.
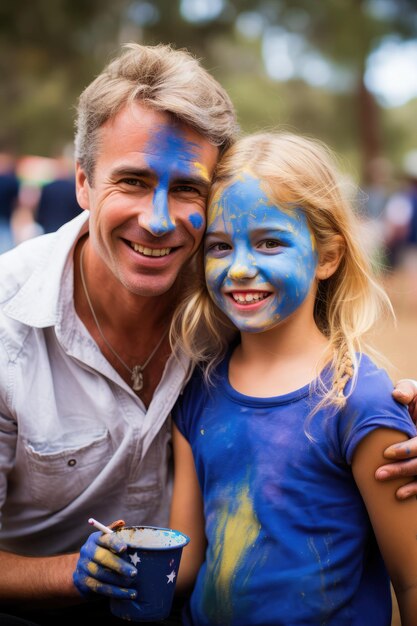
(249, 297)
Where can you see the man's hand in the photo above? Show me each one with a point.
(100, 570)
(403, 456)
(406, 392)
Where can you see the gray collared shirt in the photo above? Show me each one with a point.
(75, 441)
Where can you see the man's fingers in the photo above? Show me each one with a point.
(402, 451)
(405, 390)
(117, 524)
(406, 491)
(120, 577)
(397, 470)
(89, 584)
(109, 560)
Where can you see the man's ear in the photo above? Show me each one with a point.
(82, 187)
(330, 257)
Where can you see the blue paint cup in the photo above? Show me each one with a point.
(156, 554)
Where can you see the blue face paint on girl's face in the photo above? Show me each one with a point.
(170, 156)
(260, 261)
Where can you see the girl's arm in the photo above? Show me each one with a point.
(187, 514)
(394, 521)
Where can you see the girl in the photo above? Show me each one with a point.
(279, 432)
(285, 429)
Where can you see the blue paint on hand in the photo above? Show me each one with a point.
(100, 569)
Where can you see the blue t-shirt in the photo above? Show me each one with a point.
(289, 539)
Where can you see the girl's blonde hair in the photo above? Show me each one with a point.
(296, 172)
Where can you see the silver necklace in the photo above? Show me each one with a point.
(136, 372)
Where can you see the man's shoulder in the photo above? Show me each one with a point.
(39, 257)
(19, 263)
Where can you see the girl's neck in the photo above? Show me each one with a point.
(276, 362)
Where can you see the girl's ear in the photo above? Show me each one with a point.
(330, 257)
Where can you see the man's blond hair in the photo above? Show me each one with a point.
(162, 78)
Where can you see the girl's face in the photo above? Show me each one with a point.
(260, 261)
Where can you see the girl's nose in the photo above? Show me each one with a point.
(243, 266)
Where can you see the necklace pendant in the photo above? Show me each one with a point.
(137, 378)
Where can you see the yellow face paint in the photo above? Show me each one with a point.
(202, 169)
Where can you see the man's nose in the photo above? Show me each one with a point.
(157, 219)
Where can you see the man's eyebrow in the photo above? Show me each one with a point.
(175, 177)
(128, 170)
(201, 181)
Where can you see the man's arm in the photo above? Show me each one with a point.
(402, 456)
(37, 582)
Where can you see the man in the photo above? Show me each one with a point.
(87, 379)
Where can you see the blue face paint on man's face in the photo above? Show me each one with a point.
(171, 157)
(260, 260)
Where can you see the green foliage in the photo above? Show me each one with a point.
(50, 50)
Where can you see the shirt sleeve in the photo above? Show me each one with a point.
(189, 405)
(371, 406)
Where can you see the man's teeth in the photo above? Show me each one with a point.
(150, 251)
(249, 297)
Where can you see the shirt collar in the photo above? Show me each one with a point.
(37, 303)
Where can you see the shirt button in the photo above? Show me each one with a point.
(72, 462)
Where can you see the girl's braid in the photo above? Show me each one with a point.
(343, 374)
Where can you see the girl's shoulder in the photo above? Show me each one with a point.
(370, 406)
(372, 383)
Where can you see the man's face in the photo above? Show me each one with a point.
(147, 203)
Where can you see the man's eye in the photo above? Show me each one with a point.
(133, 182)
(186, 189)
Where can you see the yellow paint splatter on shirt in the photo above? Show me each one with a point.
(236, 533)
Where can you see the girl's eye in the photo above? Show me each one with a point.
(216, 249)
(270, 244)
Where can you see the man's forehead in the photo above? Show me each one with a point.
(169, 142)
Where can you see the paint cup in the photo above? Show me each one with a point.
(156, 554)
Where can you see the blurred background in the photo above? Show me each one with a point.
(341, 70)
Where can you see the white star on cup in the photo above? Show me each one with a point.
(170, 577)
(134, 558)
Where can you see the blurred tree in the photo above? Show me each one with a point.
(50, 51)
(342, 33)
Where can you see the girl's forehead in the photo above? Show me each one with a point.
(244, 185)
(245, 199)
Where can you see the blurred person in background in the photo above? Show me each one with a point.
(58, 201)
(371, 203)
(400, 217)
(9, 195)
